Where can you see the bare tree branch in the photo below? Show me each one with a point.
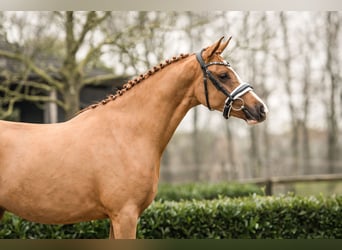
(92, 21)
(92, 51)
(31, 65)
(15, 95)
(10, 107)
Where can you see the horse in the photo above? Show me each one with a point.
(104, 162)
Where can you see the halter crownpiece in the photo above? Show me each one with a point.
(239, 91)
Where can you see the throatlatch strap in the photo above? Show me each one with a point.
(206, 92)
(205, 80)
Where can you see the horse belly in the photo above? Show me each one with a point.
(46, 177)
(52, 205)
(51, 194)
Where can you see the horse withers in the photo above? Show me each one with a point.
(104, 162)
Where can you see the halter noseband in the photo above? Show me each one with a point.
(231, 97)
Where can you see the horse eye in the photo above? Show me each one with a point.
(224, 76)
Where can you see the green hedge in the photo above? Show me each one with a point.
(13, 227)
(250, 217)
(204, 191)
(254, 217)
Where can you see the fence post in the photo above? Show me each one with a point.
(268, 188)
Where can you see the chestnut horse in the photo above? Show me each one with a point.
(104, 162)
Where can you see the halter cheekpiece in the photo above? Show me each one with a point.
(240, 90)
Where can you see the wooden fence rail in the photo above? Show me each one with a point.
(271, 181)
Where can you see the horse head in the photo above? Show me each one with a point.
(222, 89)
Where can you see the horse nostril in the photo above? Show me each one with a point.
(262, 110)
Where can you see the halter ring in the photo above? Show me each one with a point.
(241, 107)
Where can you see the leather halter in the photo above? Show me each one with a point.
(231, 97)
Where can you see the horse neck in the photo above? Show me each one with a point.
(152, 110)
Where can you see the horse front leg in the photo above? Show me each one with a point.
(111, 230)
(124, 225)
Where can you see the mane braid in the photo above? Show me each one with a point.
(131, 83)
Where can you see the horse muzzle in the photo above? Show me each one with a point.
(256, 114)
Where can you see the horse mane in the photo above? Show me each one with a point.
(131, 83)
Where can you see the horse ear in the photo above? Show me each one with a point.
(223, 45)
(210, 51)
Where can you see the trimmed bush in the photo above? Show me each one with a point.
(13, 227)
(256, 217)
(205, 191)
(289, 217)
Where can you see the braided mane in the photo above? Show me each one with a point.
(131, 83)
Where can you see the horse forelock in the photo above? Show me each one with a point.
(131, 83)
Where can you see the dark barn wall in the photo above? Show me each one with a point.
(33, 113)
(30, 112)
